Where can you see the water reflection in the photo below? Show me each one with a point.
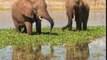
(96, 50)
(78, 53)
(51, 53)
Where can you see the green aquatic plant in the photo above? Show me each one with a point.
(58, 37)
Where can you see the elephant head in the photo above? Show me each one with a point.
(41, 7)
(38, 7)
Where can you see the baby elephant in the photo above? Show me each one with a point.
(78, 9)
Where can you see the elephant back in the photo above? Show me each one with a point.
(24, 7)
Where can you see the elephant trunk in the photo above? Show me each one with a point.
(43, 13)
(51, 22)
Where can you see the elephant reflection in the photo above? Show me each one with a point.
(28, 53)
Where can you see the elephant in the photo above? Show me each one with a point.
(78, 9)
(26, 12)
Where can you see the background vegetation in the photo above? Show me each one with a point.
(57, 4)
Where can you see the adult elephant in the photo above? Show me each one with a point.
(78, 9)
(25, 12)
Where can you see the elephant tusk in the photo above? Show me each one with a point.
(40, 18)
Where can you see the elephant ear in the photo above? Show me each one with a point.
(26, 9)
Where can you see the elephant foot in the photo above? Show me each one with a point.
(65, 27)
(78, 30)
(84, 29)
(38, 32)
(25, 31)
(19, 28)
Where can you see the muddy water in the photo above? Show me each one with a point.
(95, 19)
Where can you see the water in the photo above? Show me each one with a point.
(95, 19)
(6, 53)
(96, 50)
(56, 53)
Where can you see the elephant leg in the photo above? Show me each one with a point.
(80, 19)
(84, 25)
(25, 30)
(70, 17)
(77, 19)
(28, 27)
(21, 27)
(85, 20)
(38, 26)
(78, 25)
(18, 28)
(63, 28)
(70, 26)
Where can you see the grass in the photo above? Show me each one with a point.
(58, 37)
